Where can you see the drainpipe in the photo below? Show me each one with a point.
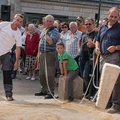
(98, 18)
(97, 67)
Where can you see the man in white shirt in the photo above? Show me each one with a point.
(9, 36)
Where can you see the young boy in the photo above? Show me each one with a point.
(68, 68)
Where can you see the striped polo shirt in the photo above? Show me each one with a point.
(43, 45)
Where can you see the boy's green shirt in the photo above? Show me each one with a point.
(72, 64)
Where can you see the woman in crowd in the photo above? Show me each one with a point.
(31, 49)
(65, 31)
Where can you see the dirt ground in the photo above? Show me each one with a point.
(51, 110)
(26, 106)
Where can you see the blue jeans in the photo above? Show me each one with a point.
(86, 70)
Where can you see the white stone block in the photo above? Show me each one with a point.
(77, 88)
(108, 79)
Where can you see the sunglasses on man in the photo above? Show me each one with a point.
(79, 20)
(88, 24)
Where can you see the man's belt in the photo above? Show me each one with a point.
(109, 53)
(47, 51)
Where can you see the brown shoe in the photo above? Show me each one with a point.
(9, 98)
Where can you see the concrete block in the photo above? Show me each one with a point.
(108, 79)
(77, 88)
(61, 89)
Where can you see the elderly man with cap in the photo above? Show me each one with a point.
(47, 48)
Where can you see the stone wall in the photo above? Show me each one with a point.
(58, 7)
(65, 9)
(15, 7)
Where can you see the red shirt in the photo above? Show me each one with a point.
(31, 44)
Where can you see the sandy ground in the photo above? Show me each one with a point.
(26, 106)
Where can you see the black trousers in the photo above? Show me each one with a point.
(6, 61)
(113, 58)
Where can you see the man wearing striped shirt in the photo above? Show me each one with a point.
(47, 46)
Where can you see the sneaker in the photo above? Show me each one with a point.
(32, 78)
(48, 96)
(28, 78)
(13, 76)
(9, 98)
(112, 110)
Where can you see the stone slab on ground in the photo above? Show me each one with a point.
(108, 79)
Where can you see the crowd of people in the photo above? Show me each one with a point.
(60, 49)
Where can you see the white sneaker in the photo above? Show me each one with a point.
(33, 78)
(28, 78)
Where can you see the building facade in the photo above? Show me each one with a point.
(64, 10)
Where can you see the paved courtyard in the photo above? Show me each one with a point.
(26, 106)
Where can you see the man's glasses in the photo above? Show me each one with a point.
(79, 20)
(88, 24)
(64, 27)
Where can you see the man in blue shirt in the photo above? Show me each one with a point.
(108, 45)
(47, 46)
